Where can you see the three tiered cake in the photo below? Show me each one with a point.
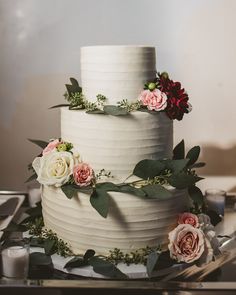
(115, 144)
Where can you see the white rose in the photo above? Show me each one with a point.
(54, 168)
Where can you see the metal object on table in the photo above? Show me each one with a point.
(13, 193)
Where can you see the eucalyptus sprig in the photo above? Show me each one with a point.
(103, 174)
(129, 106)
(155, 178)
(76, 100)
(139, 256)
(47, 239)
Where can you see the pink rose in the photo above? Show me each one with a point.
(83, 174)
(154, 100)
(51, 146)
(186, 243)
(188, 218)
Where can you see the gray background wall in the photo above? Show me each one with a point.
(40, 42)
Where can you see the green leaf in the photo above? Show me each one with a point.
(35, 211)
(31, 178)
(151, 262)
(88, 254)
(69, 190)
(146, 110)
(176, 166)
(193, 155)
(179, 151)
(196, 194)
(38, 258)
(164, 261)
(107, 186)
(148, 168)
(115, 110)
(79, 261)
(156, 191)
(75, 107)
(74, 87)
(60, 105)
(106, 268)
(183, 180)
(36, 242)
(14, 227)
(40, 143)
(197, 165)
(76, 261)
(124, 188)
(132, 190)
(49, 246)
(96, 112)
(100, 201)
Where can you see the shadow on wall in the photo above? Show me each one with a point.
(219, 161)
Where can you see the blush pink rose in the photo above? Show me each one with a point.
(83, 174)
(186, 243)
(51, 146)
(154, 100)
(188, 218)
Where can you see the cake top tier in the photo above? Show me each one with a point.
(117, 47)
(118, 72)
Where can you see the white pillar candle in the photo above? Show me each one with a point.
(15, 262)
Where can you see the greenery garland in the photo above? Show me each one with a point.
(175, 108)
(154, 178)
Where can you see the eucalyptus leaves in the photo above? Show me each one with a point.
(65, 170)
(160, 95)
(77, 101)
(155, 176)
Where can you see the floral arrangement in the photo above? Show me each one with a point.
(166, 95)
(194, 239)
(58, 165)
(160, 95)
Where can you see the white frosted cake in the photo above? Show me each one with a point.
(116, 144)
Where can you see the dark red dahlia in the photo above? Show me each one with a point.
(177, 103)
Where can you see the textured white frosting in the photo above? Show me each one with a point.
(132, 222)
(118, 72)
(117, 144)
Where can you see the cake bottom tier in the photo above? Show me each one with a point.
(132, 222)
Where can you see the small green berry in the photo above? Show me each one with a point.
(62, 147)
(151, 86)
(165, 75)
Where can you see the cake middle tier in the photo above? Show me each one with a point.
(117, 143)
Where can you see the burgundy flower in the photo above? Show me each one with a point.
(177, 103)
